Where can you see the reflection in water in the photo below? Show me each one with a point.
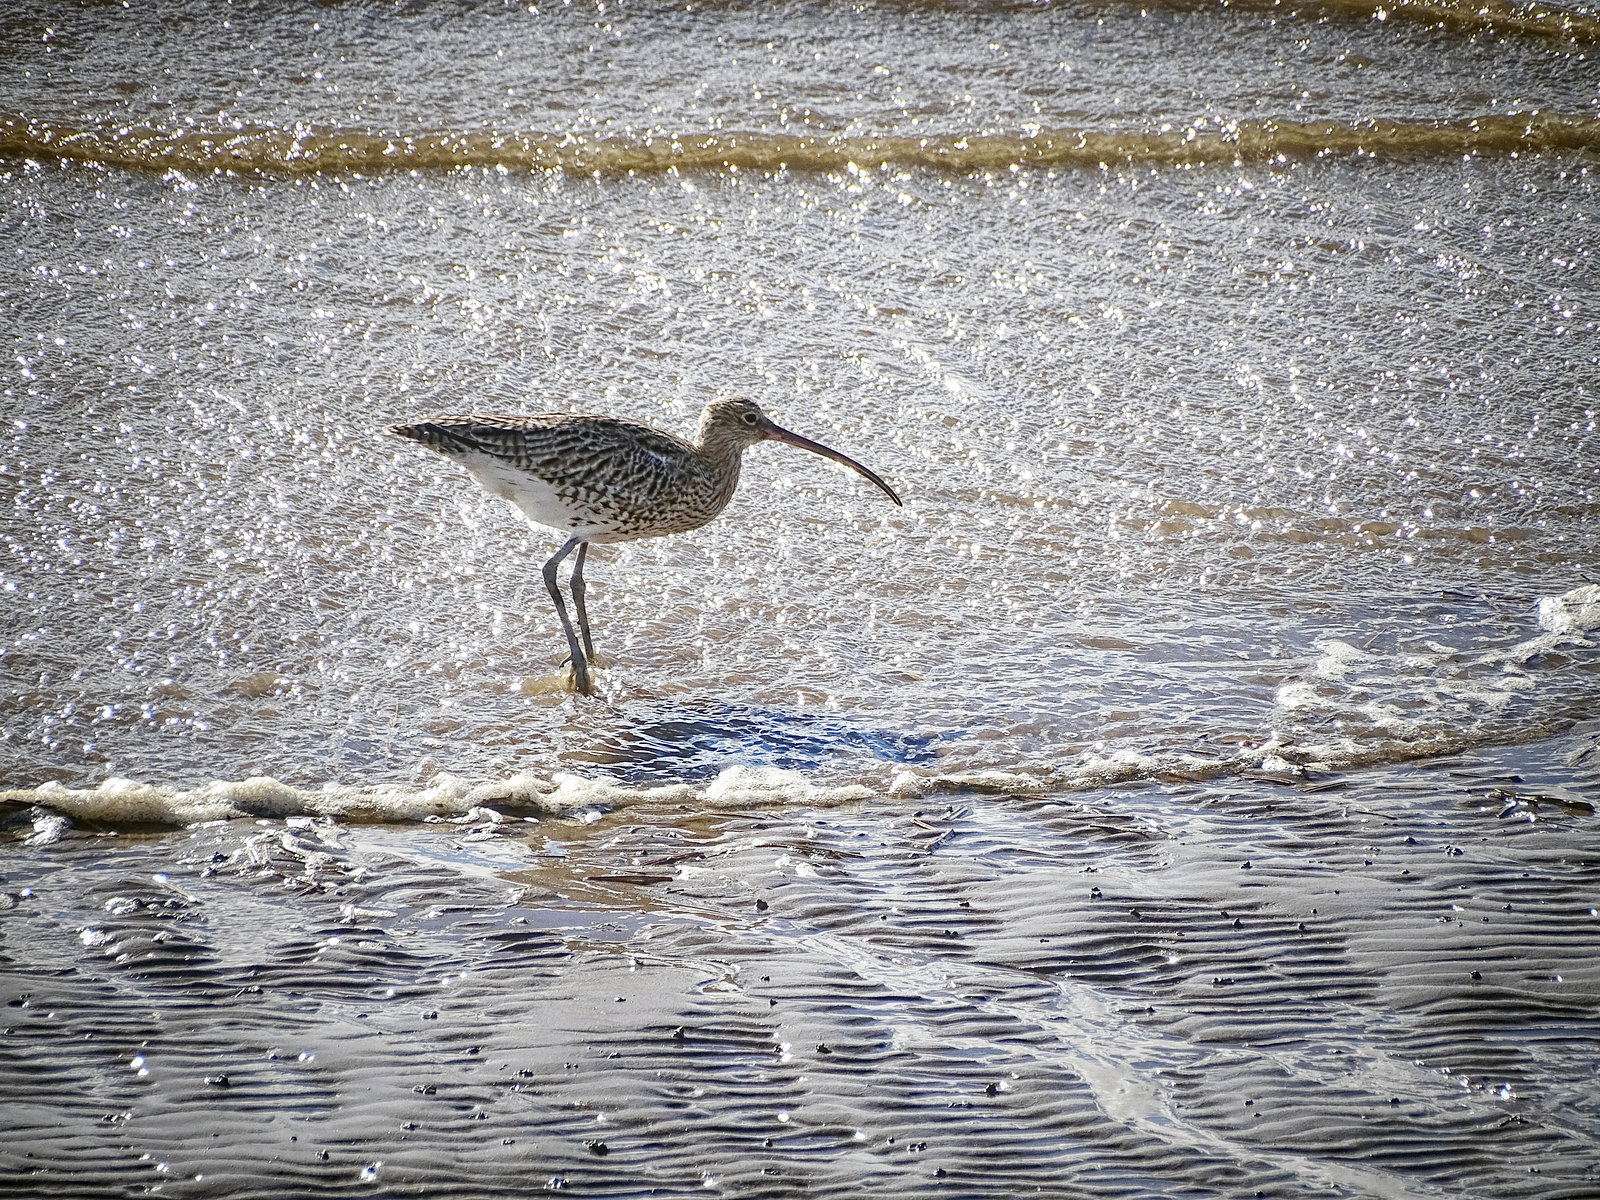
(696, 740)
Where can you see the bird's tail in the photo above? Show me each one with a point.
(448, 435)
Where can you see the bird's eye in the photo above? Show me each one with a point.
(749, 418)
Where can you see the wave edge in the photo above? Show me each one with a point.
(300, 151)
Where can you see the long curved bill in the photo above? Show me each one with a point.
(776, 433)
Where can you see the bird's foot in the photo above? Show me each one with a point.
(582, 677)
(582, 682)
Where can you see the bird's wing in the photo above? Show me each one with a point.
(560, 448)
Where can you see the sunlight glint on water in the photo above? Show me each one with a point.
(1151, 467)
(1191, 790)
(1203, 465)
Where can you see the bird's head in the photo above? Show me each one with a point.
(733, 425)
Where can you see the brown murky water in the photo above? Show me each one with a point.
(1190, 791)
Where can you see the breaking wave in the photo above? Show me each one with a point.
(1470, 17)
(303, 150)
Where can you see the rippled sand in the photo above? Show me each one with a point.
(1379, 984)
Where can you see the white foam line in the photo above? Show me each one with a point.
(1577, 611)
(128, 801)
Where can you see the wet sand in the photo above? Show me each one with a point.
(1382, 983)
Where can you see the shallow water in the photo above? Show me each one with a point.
(1237, 368)
(1159, 488)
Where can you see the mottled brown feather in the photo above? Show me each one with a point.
(618, 479)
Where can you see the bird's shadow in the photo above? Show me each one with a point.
(658, 741)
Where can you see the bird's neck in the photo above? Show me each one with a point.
(720, 446)
(720, 451)
(723, 459)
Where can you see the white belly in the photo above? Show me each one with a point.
(540, 503)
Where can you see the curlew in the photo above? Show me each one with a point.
(606, 479)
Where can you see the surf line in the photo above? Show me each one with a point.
(301, 150)
(1458, 16)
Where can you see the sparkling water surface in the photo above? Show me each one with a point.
(1183, 459)
(1190, 791)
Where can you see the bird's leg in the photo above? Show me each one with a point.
(580, 666)
(577, 600)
